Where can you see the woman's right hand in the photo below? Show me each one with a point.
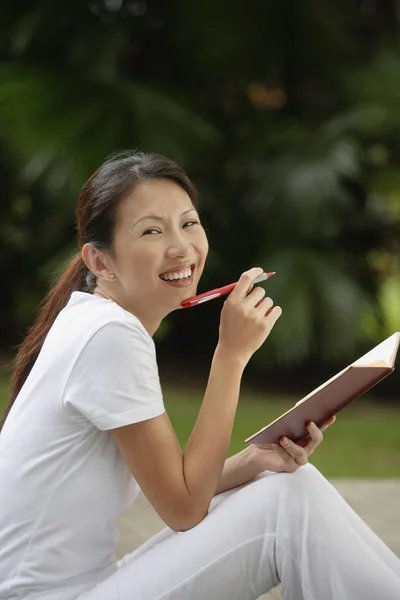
(246, 319)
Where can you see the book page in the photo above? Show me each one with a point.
(384, 353)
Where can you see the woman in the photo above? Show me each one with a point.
(86, 428)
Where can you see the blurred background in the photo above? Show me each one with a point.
(286, 114)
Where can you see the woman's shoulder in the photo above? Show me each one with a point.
(93, 324)
(93, 313)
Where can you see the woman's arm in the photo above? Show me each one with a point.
(238, 470)
(179, 485)
(206, 450)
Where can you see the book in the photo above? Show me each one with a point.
(333, 395)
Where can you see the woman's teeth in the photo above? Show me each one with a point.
(177, 275)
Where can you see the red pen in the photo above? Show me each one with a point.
(206, 296)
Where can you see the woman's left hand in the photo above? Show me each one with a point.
(287, 456)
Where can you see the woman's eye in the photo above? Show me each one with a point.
(151, 231)
(154, 230)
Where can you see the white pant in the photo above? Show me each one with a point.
(289, 528)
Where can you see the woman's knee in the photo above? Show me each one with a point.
(303, 474)
(309, 477)
(306, 481)
(308, 472)
(270, 492)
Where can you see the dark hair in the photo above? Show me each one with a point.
(96, 219)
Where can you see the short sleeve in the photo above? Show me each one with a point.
(115, 380)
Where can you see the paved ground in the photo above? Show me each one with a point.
(376, 501)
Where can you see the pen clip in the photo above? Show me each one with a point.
(210, 297)
(205, 299)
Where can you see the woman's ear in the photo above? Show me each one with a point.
(95, 261)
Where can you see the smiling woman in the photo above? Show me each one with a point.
(86, 429)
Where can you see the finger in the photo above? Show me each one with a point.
(328, 423)
(296, 452)
(273, 315)
(266, 305)
(306, 440)
(316, 437)
(245, 282)
(255, 297)
(288, 464)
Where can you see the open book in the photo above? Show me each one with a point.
(333, 395)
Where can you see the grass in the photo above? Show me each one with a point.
(3, 393)
(364, 441)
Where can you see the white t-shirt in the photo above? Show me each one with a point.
(62, 478)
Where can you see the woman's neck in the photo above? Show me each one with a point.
(151, 325)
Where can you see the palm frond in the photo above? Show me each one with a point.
(389, 295)
(61, 126)
(322, 307)
(376, 88)
(306, 182)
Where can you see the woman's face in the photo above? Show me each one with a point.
(160, 249)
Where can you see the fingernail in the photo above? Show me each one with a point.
(284, 441)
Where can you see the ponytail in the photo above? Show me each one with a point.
(73, 278)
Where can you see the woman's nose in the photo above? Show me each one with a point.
(178, 246)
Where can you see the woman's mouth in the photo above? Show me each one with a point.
(179, 278)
